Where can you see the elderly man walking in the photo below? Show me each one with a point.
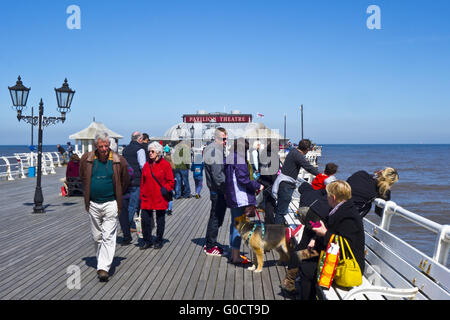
(105, 177)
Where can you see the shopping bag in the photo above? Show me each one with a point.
(137, 221)
(327, 263)
(348, 273)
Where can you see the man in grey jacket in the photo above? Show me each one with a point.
(295, 160)
(215, 179)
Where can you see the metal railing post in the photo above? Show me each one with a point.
(22, 172)
(52, 166)
(388, 212)
(8, 169)
(442, 245)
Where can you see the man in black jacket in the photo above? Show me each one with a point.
(134, 153)
(295, 160)
(215, 180)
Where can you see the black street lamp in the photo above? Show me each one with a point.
(191, 129)
(19, 96)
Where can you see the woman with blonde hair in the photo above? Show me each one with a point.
(367, 187)
(343, 220)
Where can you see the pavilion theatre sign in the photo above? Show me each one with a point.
(242, 118)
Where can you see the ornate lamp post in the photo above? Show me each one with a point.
(191, 129)
(19, 96)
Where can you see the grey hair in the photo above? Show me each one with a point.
(102, 135)
(135, 136)
(155, 146)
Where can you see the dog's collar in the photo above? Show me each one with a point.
(259, 223)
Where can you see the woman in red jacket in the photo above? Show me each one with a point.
(157, 183)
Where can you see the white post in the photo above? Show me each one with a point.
(8, 169)
(52, 166)
(388, 212)
(442, 245)
(22, 172)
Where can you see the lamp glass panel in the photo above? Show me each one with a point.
(64, 96)
(70, 100)
(13, 97)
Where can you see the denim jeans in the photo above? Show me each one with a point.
(198, 185)
(285, 191)
(134, 205)
(235, 237)
(130, 204)
(185, 179)
(216, 216)
(178, 182)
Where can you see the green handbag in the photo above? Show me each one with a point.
(348, 273)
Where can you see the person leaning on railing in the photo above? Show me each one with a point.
(367, 187)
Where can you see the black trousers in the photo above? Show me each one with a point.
(269, 207)
(216, 216)
(148, 225)
(307, 279)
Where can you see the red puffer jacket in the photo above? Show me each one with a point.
(319, 182)
(150, 191)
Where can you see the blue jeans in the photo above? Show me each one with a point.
(130, 204)
(134, 204)
(235, 237)
(185, 178)
(198, 184)
(285, 191)
(178, 182)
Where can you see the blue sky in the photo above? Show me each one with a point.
(139, 65)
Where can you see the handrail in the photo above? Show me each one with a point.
(19, 163)
(442, 244)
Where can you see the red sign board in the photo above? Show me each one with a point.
(235, 118)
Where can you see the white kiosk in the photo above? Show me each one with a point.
(87, 136)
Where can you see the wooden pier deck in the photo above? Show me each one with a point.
(37, 249)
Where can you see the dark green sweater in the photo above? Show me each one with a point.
(102, 189)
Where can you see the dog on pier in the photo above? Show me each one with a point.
(261, 237)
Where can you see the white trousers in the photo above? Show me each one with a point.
(104, 221)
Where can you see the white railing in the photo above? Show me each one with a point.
(442, 243)
(18, 165)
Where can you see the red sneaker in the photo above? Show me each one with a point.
(214, 251)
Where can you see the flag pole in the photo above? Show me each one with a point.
(301, 113)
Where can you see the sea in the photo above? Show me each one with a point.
(423, 187)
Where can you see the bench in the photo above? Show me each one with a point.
(384, 273)
(74, 186)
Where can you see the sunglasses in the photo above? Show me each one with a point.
(152, 151)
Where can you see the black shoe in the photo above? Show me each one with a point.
(125, 242)
(188, 197)
(158, 245)
(169, 212)
(102, 275)
(146, 246)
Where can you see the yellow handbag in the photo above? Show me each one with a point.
(348, 273)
